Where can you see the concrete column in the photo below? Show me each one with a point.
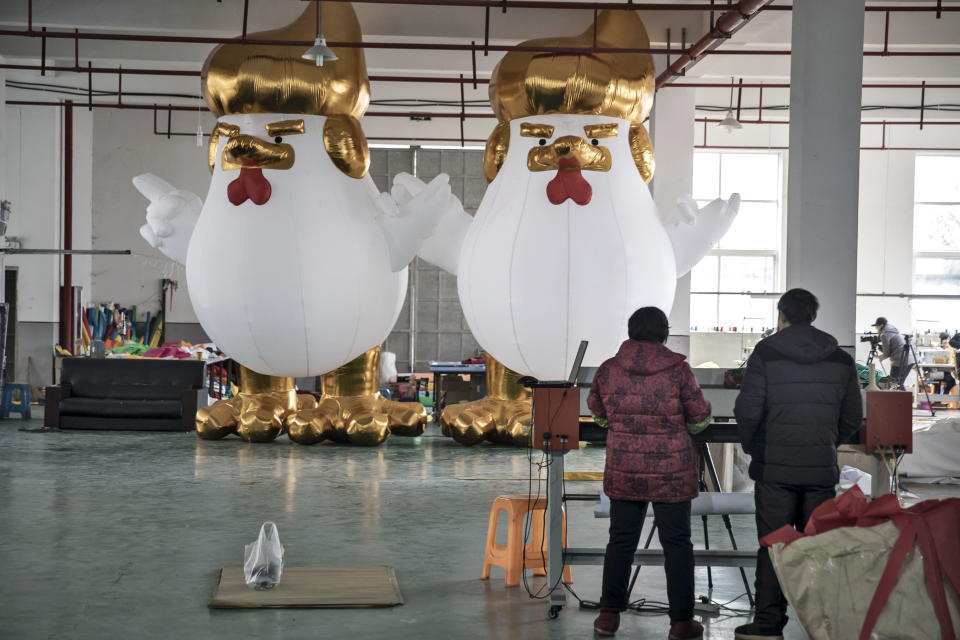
(672, 132)
(826, 71)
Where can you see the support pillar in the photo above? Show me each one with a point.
(672, 132)
(66, 288)
(826, 73)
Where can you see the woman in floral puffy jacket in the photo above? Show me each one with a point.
(652, 403)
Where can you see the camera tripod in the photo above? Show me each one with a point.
(908, 350)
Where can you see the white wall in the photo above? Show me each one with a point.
(33, 167)
(125, 146)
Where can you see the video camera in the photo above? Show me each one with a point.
(872, 338)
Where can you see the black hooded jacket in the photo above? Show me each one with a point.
(799, 401)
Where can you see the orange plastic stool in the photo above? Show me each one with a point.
(516, 555)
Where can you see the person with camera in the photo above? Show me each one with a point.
(799, 401)
(894, 346)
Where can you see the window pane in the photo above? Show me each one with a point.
(706, 175)
(746, 273)
(755, 176)
(940, 315)
(746, 313)
(755, 227)
(936, 227)
(937, 275)
(937, 179)
(703, 312)
(704, 276)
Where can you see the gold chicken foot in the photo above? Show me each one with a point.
(504, 416)
(351, 409)
(257, 414)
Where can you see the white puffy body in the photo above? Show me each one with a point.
(536, 278)
(301, 284)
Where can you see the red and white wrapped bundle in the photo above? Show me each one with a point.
(872, 570)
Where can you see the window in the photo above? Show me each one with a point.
(936, 238)
(747, 259)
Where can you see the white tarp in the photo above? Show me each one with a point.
(936, 452)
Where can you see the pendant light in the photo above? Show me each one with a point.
(319, 52)
(730, 122)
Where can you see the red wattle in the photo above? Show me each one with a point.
(569, 183)
(250, 184)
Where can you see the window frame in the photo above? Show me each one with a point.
(777, 253)
(928, 255)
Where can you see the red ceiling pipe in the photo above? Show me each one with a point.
(550, 4)
(442, 80)
(66, 289)
(862, 122)
(786, 85)
(727, 24)
(192, 73)
(705, 46)
(779, 148)
(409, 114)
(130, 37)
(193, 109)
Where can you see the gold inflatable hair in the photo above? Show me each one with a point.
(621, 85)
(247, 78)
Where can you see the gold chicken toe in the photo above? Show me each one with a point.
(504, 416)
(256, 414)
(352, 411)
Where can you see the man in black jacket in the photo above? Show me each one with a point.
(799, 401)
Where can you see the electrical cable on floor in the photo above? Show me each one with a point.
(545, 465)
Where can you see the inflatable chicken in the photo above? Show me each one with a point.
(567, 241)
(296, 264)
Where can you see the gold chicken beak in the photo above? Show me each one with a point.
(249, 152)
(569, 152)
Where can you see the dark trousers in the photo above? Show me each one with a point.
(948, 383)
(900, 374)
(779, 505)
(673, 525)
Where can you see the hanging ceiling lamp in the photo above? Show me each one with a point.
(730, 122)
(319, 52)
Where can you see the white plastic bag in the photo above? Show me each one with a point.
(263, 558)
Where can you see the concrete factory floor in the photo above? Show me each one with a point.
(122, 535)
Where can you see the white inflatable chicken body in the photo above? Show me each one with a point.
(302, 282)
(296, 264)
(567, 241)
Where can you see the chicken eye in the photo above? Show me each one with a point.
(542, 142)
(278, 139)
(594, 142)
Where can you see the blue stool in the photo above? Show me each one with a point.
(8, 405)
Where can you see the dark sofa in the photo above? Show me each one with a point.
(134, 394)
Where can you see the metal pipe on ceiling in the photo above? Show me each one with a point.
(453, 114)
(197, 74)
(726, 25)
(862, 122)
(786, 85)
(415, 46)
(442, 80)
(706, 46)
